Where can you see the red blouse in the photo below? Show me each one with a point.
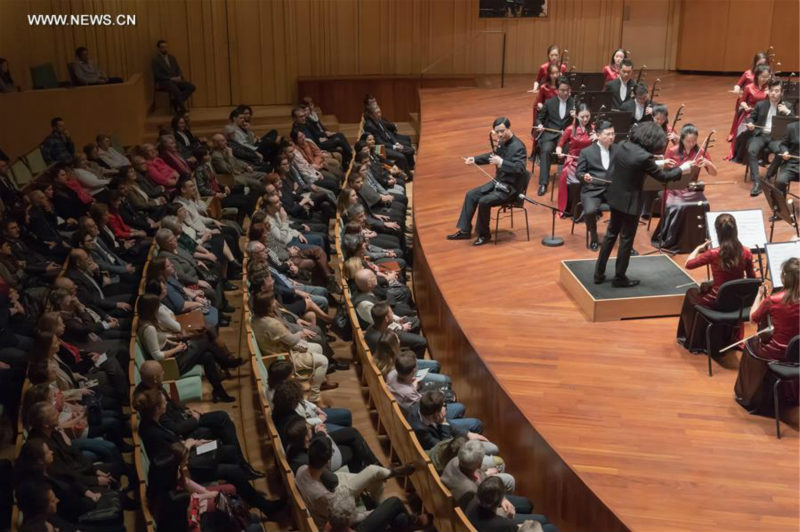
(672, 153)
(610, 72)
(161, 173)
(718, 274)
(75, 186)
(746, 79)
(752, 95)
(118, 225)
(577, 141)
(541, 77)
(785, 320)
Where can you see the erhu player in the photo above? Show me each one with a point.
(508, 155)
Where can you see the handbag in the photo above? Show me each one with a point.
(341, 326)
(109, 508)
(444, 387)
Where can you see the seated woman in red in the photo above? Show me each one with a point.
(611, 70)
(748, 77)
(752, 94)
(553, 59)
(753, 389)
(728, 262)
(576, 137)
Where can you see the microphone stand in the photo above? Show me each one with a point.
(552, 240)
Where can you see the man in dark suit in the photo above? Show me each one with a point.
(640, 107)
(85, 274)
(168, 77)
(556, 115)
(510, 177)
(788, 154)
(622, 88)
(593, 164)
(759, 123)
(326, 140)
(633, 161)
(385, 134)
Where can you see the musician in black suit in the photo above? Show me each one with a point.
(788, 166)
(168, 77)
(639, 106)
(633, 161)
(509, 157)
(759, 123)
(593, 164)
(555, 115)
(622, 88)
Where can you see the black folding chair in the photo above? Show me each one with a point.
(784, 370)
(514, 202)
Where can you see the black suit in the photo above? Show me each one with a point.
(336, 142)
(629, 167)
(613, 87)
(511, 174)
(163, 72)
(630, 107)
(550, 117)
(385, 134)
(788, 170)
(592, 194)
(760, 138)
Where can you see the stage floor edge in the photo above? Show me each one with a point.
(660, 293)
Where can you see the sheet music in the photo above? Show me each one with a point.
(777, 254)
(750, 224)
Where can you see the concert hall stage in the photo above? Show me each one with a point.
(606, 426)
(660, 293)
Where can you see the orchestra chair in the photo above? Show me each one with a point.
(731, 309)
(514, 202)
(784, 370)
(577, 214)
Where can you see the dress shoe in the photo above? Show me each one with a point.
(253, 473)
(459, 235)
(339, 365)
(228, 309)
(542, 190)
(229, 287)
(634, 253)
(481, 240)
(756, 190)
(222, 397)
(599, 278)
(594, 245)
(232, 362)
(327, 385)
(224, 321)
(624, 282)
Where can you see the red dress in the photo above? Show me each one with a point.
(746, 79)
(610, 72)
(683, 194)
(545, 93)
(541, 77)
(785, 320)
(577, 142)
(751, 96)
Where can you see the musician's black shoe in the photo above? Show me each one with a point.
(774, 218)
(624, 282)
(482, 240)
(542, 190)
(634, 253)
(756, 190)
(594, 245)
(599, 278)
(459, 235)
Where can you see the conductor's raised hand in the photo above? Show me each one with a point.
(669, 163)
(469, 160)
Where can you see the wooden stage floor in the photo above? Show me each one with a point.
(607, 426)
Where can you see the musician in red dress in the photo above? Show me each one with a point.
(547, 89)
(728, 262)
(752, 94)
(553, 58)
(576, 137)
(611, 70)
(748, 77)
(661, 117)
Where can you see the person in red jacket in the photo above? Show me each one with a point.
(553, 58)
(611, 70)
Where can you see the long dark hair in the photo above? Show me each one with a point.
(624, 55)
(790, 274)
(649, 136)
(147, 306)
(663, 109)
(758, 57)
(688, 129)
(730, 249)
(757, 72)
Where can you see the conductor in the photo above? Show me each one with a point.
(633, 161)
(509, 157)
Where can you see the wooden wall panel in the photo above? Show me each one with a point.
(702, 37)
(784, 34)
(744, 37)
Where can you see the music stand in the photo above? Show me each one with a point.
(780, 208)
(620, 121)
(777, 253)
(594, 81)
(779, 125)
(599, 100)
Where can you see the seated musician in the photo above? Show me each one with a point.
(782, 310)
(661, 117)
(576, 137)
(786, 162)
(509, 157)
(671, 225)
(555, 116)
(759, 123)
(611, 70)
(593, 162)
(728, 262)
(621, 89)
(547, 90)
(640, 106)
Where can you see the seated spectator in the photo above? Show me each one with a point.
(43, 227)
(92, 287)
(485, 510)
(137, 197)
(108, 154)
(134, 247)
(182, 299)
(71, 199)
(398, 149)
(39, 506)
(158, 171)
(316, 131)
(169, 77)
(239, 197)
(86, 72)
(37, 266)
(317, 497)
(152, 189)
(187, 143)
(6, 81)
(388, 177)
(168, 151)
(224, 162)
(158, 345)
(121, 275)
(364, 297)
(319, 159)
(317, 181)
(375, 203)
(390, 514)
(58, 147)
(383, 185)
(387, 349)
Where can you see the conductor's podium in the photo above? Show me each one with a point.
(660, 292)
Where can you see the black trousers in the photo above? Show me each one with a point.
(546, 148)
(754, 147)
(787, 172)
(179, 91)
(338, 142)
(622, 225)
(390, 514)
(591, 206)
(482, 198)
(217, 425)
